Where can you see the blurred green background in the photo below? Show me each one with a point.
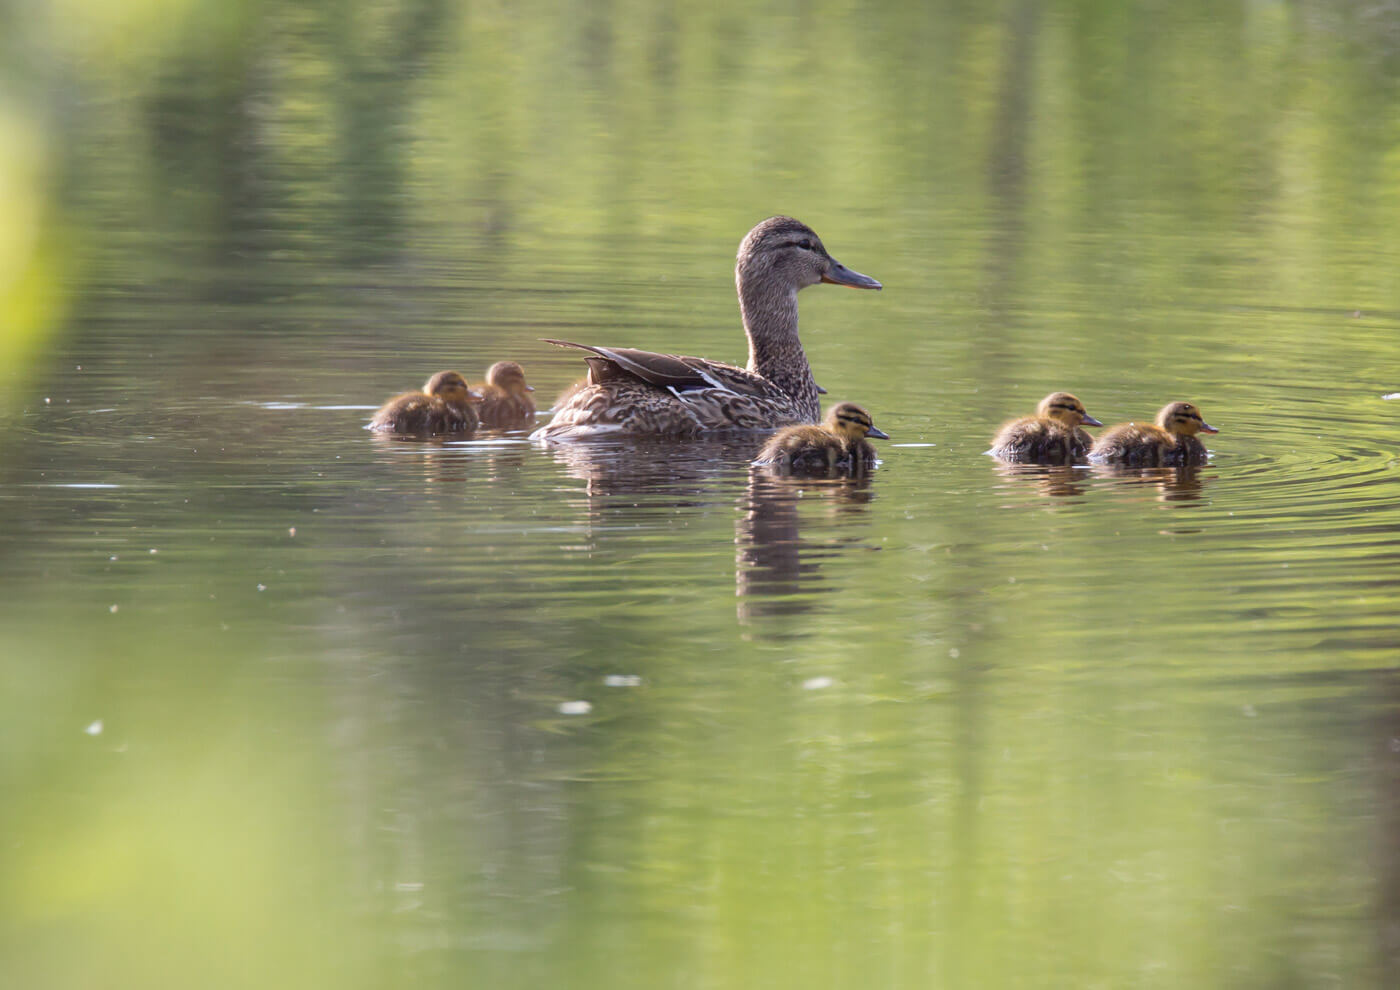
(285, 704)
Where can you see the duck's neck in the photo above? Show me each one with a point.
(775, 349)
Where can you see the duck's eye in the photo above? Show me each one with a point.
(805, 244)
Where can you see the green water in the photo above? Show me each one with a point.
(287, 704)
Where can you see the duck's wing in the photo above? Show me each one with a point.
(669, 371)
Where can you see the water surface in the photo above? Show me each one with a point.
(292, 704)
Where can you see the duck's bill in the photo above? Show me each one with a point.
(1090, 421)
(839, 274)
(529, 388)
(1207, 428)
(875, 431)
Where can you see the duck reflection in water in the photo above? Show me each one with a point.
(776, 571)
(1050, 480)
(1178, 484)
(449, 459)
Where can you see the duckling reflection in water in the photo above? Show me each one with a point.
(838, 444)
(1052, 480)
(505, 398)
(777, 570)
(444, 406)
(1170, 442)
(1051, 436)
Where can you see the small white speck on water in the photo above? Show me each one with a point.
(112, 609)
(47, 400)
(113, 557)
(1011, 580)
(262, 587)
(1248, 711)
(94, 728)
(1390, 395)
(623, 680)
(154, 550)
(954, 653)
(291, 531)
(77, 367)
(575, 707)
(817, 683)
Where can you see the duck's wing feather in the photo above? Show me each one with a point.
(669, 371)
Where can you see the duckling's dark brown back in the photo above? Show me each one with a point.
(1040, 440)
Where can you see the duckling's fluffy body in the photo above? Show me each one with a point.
(641, 392)
(505, 398)
(443, 406)
(838, 444)
(1051, 436)
(1169, 442)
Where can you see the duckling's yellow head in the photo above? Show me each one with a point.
(508, 376)
(1183, 418)
(1065, 408)
(850, 422)
(450, 387)
(782, 254)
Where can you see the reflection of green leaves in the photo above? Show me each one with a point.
(184, 844)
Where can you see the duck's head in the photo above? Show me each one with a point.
(1065, 408)
(450, 387)
(1183, 418)
(509, 377)
(851, 422)
(787, 254)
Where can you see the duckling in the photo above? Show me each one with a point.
(1170, 443)
(505, 399)
(1051, 436)
(643, 393)
(444, 406)
(838, 443)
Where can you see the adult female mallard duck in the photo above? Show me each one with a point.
(505, 396)
(444, 406)
(641, 392)
(839, 443)
(1051, 436)
(1171, 442)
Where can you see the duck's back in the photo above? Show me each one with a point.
(499, 408)
(1040, 439)
(804, 448)
(1134, 445)
(416, 412)
(645, 393)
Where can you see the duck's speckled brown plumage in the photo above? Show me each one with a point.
(444, 406)
(642, 392)
(838, 444)
(1170, 442)
(1051, 436)
(505, 398)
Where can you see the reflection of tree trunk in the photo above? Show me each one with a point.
(1387, 856)
(1006, 171)
(1006, 164)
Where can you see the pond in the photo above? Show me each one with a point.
(290, 703)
